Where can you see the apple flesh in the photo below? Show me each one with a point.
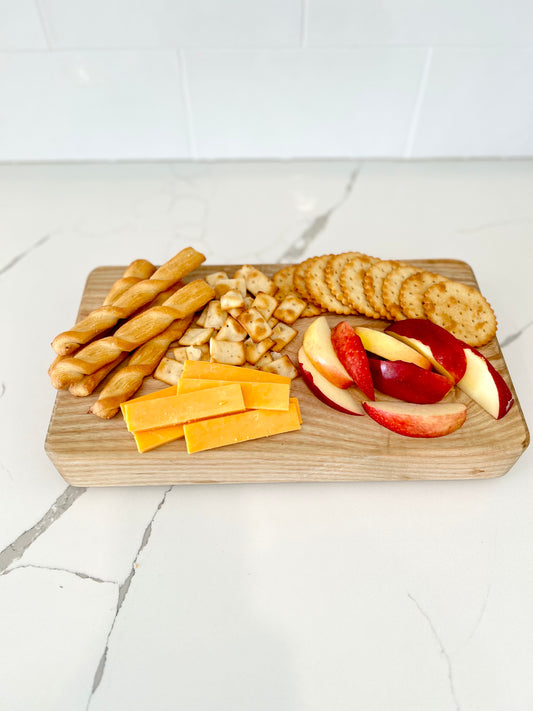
(406, 381)
(390, 348)
(319, 349)
(484, 384)
(331, 395)
(351, 353)
(439, 346)
(415, 420)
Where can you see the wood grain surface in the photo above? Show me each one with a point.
(331, 446)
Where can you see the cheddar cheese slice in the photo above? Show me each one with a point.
(265, 396)
(241, 427)
(150, 439)
(235, 373)
(165, 392)
(178, 409)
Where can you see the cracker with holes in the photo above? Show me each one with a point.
(373, 284)
(300, 287)
(332, 273)
(265, 304)
(318, 288)
(412, 292)
(390, 290)
(283, 280)
(228, 352)
(168, 371)
(351, 280)
(282, 366)
(290, 308)
(255, 280)
(462, 310)
(232, 330)
(232, 299)
(195, 336)
(255, 324)
(282, 335)
(254, 351)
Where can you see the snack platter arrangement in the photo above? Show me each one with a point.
(329, 444)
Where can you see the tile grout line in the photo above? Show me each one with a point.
(304, 23)
(185, 89)
(44, 24)
(417, 108)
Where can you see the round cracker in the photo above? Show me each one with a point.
(462, 310)
(391, 289)
(412, 292)
(351, 281)
(316, 286)
(333, 271)
(373, 284)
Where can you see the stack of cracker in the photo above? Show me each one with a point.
(356, 283)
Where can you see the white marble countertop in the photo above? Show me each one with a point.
(407, 596)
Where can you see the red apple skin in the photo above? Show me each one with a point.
(351, 353)
(484, 384)
(319, 349)
(328, 393)
(443, 349)
(415, 420)
(408, 382)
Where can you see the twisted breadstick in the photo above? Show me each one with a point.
(88, 383)
(132, 334)
(137, 271)
(126, 381)
(130, 301)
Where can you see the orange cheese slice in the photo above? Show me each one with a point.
(165, 392)
(150, 439)
(244, 426)
(178, 409)
(235, 373)
(265, 396)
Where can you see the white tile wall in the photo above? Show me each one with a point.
(170, 23)
(20, 25)
(478, 102)
(329, 103)
(91, 106)
(151, 79)
(349, 23)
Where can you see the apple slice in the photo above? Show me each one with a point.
(330, 394)
(408, 382)
(319, 349)
(484, 384)
(439, 346)
(351, 353)
(415, 420)
(389, 347)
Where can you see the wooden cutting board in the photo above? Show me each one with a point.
(331, 446)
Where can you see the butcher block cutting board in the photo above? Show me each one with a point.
(331, 446)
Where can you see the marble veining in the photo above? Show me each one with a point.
(312, 567)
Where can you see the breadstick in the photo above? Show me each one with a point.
(132, 334)
(89, 383)
(137, 270)
(128, 303)
(127, 380)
